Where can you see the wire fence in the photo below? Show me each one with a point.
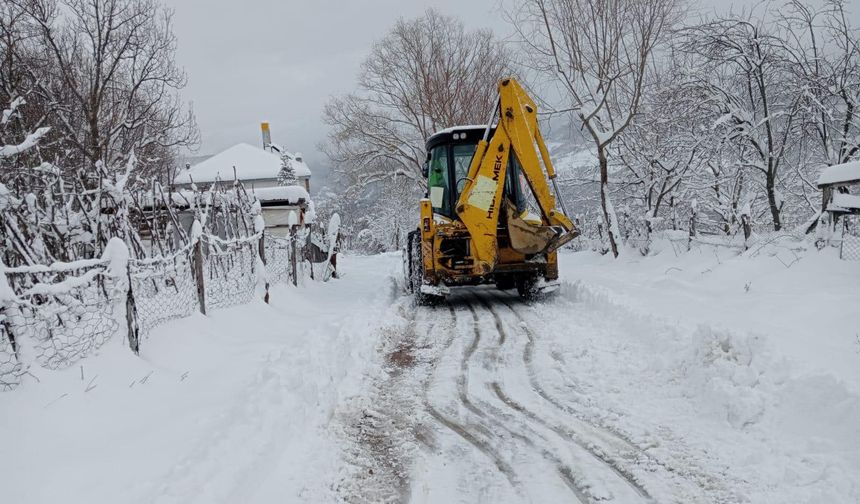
(163, 289)
(849, 250)
(279, 252)
(230, 272)
(61, 314)
(641, 234)
(11, 368)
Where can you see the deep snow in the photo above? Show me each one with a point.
(232, 407)
(698, 376)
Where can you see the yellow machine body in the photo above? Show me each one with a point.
(485, 231)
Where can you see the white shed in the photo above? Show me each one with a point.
(254, 166)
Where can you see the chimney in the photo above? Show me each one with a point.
(267, 136)
(299, 156)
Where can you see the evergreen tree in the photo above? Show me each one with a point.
(287, 175)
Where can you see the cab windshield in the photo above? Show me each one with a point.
(447, 172)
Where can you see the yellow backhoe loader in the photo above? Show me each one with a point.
(489, 215)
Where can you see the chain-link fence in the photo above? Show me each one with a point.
(163, 289)
(11, 368)
(279, 252)
(62, 315)
(850, 248)
(230, 272)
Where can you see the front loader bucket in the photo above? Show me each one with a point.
(532, 239)
(561, 239)
(528, 238)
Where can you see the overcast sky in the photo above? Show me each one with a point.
(281, 60)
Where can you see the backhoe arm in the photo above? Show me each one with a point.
(481, 201)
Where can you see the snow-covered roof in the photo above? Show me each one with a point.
(460, 128)
(299, 166)
(292, 194)
(846, 172)
(251, 163)
(843, 201)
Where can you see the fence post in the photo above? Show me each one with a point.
(293, 254)
(131, 318)
(745, 223)
(693, 213)
(198, 273)
(262, 251)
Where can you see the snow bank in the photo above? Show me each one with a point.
(230, 407)
(724, 376)
(753, 358)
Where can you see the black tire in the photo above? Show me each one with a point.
(415, 265)
(505, 282)
(415, 272)
(408, 263)
(527, 287)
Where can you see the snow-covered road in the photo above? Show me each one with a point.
(667, 379)
(468, 410)
(622, 387)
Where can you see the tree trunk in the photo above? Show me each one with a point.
(745, 223)
(771, 200)
(608, 212)
(199, 274)
(674, 212)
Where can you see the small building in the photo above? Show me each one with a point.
(254, 166)
(258, 169)
(840, 186)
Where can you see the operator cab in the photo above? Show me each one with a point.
(449, 154)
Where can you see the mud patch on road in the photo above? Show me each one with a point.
(381, 431)
(402, 358)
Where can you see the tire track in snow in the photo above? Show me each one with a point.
(565, 434)
(500, 420)
(480, 445)
(463, 379)
(687, 470)
(462, 430)
(571, 437)
(528, 360)
(483, 432)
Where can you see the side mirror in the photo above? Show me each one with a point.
(425, 171)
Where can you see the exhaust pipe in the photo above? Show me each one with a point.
(267, 136)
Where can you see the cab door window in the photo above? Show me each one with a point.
(438, 181)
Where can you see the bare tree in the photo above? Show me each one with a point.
(669, 141)
(599, 50)
(760, 104)
(823, 53)
(114, 80)
(426, 74)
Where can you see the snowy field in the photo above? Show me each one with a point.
(694, 378)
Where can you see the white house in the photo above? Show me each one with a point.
(254, 166)
(258, 168)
